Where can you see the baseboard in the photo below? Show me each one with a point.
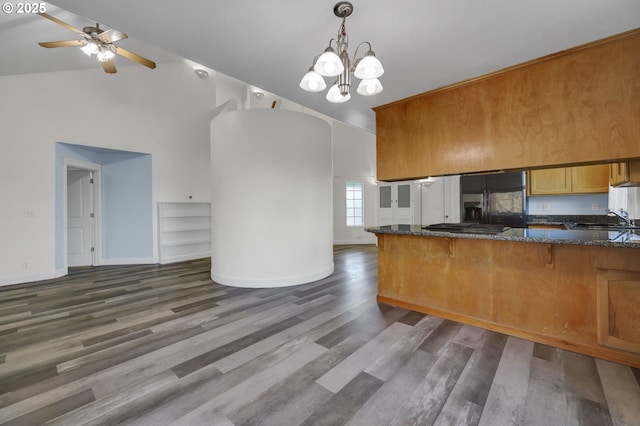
(184, 257)
(29, 278)
(271, 282)
(610, 354)
(129, 261)
(355, 242)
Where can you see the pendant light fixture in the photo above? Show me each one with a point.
(335, 62)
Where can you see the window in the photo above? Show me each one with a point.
(354, 204)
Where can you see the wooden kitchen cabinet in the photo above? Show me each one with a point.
(626, 173)
(578, 106)
(592, 179)
(549, 181)
(618, 297)
(582, 298)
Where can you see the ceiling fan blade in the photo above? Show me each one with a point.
(64, 24)
(109, 67)
(112, 35)
(62, 43)
(134, 57)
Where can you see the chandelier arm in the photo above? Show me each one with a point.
(337, 46)
(355, 54)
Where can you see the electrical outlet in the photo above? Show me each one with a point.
(25, 265)
(594, 207)
(546, 207)
(28, 213)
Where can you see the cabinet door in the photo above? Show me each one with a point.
(618, 173)
(385, 204)
(618, 303)
(404, 203)
(590, 179)
(550, 181)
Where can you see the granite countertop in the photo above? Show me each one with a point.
(607, 238)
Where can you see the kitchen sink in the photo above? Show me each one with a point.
(628, 237)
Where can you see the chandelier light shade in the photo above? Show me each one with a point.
(334, 95)
(313, 82)
(329, 64)
(369, 67)
(335, 62)
(369, 87)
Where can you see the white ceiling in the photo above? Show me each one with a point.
(423, 44)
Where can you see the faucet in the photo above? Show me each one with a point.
(624, 215)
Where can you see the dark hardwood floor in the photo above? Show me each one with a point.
(159, 345)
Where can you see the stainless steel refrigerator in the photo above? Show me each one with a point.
(495, 198)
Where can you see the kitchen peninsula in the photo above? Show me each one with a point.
(569, 289)
(573, 289)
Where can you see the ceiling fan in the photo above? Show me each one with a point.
(99, 42)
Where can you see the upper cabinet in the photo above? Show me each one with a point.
(590, 179)
(569, 180)
(576, 106)
(626, 173)
(549, 181)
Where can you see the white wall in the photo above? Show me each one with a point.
(271, 210)
(164, 112)
(354, 159)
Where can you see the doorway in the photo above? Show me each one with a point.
(82, 213)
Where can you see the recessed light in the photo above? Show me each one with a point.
(201, 73)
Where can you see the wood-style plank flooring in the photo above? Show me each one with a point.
(161, 345)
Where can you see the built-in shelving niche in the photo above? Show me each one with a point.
(184, 231)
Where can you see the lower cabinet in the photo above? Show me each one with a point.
(618, 298)
(584, 298)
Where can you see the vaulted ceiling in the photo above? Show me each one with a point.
(423, 44)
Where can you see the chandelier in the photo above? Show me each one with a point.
(335, 62)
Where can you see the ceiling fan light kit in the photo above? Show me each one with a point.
(335, 62)
(96, 41)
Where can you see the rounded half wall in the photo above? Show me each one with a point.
(271, 201)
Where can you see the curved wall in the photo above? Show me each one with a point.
(271, 198)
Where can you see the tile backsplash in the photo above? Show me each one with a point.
(589, 204)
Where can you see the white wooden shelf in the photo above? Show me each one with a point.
(184, 231)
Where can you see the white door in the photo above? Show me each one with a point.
(79, 218)
(432, 199)
(385, 204)
(452, 199)
(404, 203)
